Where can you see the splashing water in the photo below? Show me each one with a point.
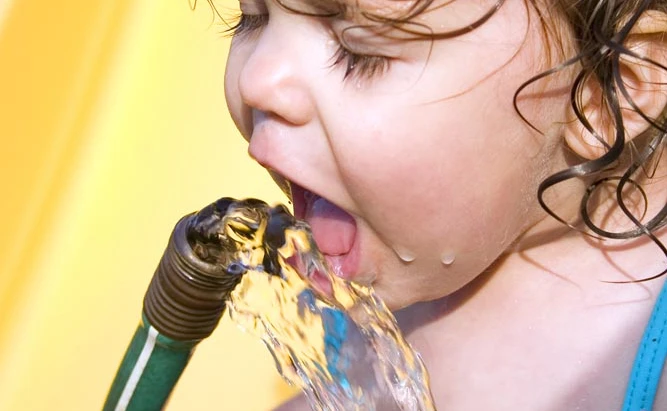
(334, 339)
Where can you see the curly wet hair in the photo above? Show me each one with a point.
(600, 30)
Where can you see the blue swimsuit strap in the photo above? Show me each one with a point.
(649, 361)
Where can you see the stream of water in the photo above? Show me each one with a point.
(334, 339)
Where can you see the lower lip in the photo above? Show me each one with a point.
(346, 265)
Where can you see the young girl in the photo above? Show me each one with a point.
(492, 167)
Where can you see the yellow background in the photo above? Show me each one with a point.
(113, 126)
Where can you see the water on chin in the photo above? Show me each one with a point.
(334, 339)
(404, 254)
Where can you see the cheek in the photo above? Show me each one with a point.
(424, 182)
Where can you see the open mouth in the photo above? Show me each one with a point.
(334, 230)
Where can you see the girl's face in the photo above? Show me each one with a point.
(407, 157)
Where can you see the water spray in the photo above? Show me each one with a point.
(334, 339)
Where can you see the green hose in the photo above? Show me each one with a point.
(150, 369)
(183, 305)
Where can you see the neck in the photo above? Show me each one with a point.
(544, 321)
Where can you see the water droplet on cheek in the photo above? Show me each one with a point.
(447, 258)
(404, 254)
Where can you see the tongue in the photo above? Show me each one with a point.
(333, 228)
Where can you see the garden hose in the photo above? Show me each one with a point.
(184, 303)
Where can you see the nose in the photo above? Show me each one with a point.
(274, 78)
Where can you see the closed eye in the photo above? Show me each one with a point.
(355, 64)
(359, 65)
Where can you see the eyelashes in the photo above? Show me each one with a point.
(355, 65)
(359, 65)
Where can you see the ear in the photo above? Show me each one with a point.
(645, 84)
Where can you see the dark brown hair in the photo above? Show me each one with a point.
(600, 29)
